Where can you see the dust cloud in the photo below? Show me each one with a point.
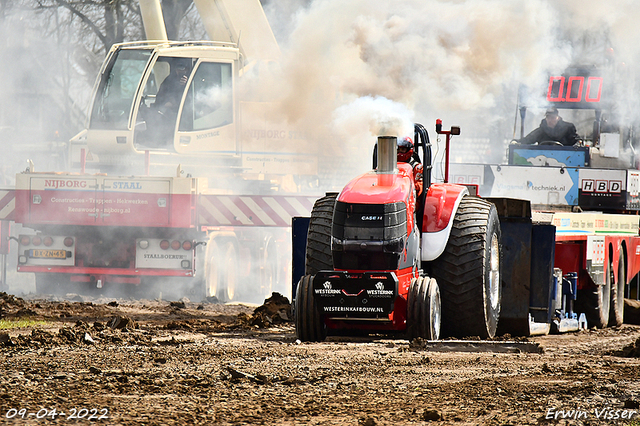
(462, 61)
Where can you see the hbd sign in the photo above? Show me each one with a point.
(602, 186)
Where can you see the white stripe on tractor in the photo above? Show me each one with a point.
(262, 215)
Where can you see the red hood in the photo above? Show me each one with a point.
(366, 188)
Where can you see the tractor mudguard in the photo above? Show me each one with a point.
(440, 206)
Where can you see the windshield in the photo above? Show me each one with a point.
(209, 102)
(113, 102)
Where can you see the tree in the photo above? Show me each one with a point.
(110, 21)
(174, 12)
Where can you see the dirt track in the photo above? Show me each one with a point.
(156, 362)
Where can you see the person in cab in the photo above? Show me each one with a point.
(553, 129)
(405, 155)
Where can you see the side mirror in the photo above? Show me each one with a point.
(455, 130)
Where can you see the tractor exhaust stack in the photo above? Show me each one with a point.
(387, 160)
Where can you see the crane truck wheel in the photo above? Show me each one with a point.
(468, 271)
(268, 272)
(616, 309)
(424, 309)
(228, 274)
(318, 255)
(309, 324)
(595, 302)
(211, 269)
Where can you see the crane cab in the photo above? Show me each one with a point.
(200, 115)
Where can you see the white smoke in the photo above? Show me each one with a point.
(430, 55)
(461, 61)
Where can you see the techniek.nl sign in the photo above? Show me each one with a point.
(538, 184)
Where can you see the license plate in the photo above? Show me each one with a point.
(48, 254)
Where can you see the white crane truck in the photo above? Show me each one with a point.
(151, 185)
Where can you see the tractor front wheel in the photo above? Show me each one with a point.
(310, 326)
(424, 309)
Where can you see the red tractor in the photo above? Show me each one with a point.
(382, 258)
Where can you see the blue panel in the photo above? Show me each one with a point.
(515, 273)
(542, 259)
(300, 226)
(542, 155)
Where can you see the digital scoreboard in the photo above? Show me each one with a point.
(578, 89)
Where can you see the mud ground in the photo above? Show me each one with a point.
(150, 362)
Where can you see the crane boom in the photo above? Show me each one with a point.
(224, 18)
(152, 20)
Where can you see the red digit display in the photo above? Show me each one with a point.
(590, 83)
(556, 83)
(571, 89)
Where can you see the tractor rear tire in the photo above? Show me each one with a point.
(468, 271)
(616, 306)
(424, 309)
(310, 326)
(318, 255)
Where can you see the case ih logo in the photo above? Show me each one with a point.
(61, 183)
(602, 186)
